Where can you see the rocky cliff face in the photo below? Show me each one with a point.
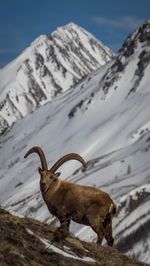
(52, 64)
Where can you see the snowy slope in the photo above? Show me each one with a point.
(50, 65)
(105, 118)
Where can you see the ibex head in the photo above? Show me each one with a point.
(49, 178)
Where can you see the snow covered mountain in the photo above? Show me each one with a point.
(50, 65)
(105, 118)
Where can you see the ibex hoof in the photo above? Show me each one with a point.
(111, 242)
(60, 235)
(99, 241)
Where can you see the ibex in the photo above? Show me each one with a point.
(68, 201)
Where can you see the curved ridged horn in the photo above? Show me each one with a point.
(41, 154)
(65, 158)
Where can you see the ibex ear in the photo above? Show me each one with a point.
(57, 174)
(40, 170)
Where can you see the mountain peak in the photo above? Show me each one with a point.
(135, 49)
(70, 25)
(139, 36)
(50, 65)
(71, 32)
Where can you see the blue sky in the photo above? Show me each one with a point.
(21, 21)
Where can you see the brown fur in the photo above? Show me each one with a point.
(82, 204)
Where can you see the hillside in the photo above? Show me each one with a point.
(49, 66)
(105, 118)
(28, 242)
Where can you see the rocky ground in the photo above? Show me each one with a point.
(26, 241)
